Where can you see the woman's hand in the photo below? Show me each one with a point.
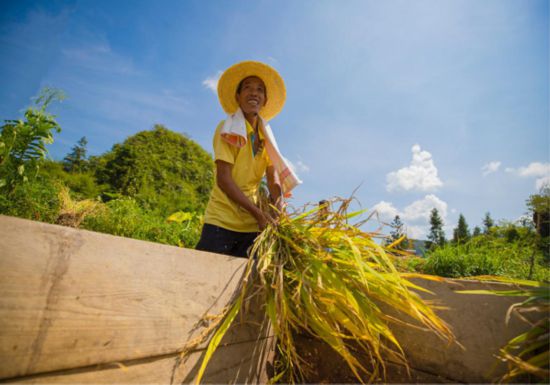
(263, 219)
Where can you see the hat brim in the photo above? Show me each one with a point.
(274, 84)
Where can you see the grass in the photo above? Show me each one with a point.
(124, 217)
(486, 255)
(319, 275)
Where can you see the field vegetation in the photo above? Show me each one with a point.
(133, 190)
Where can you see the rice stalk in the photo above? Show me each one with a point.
(321, 276)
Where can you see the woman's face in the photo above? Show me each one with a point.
(252, 95)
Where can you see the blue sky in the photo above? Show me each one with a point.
(420, 103)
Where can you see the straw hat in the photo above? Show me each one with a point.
(274, 84)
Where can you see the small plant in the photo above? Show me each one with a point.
(321, 276)
(23, 142)
(73, 212)
(124, 217)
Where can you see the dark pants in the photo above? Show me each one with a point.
(219, 240)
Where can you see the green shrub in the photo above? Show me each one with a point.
(162, 170)
(124, 217)
(23, 143)
(37, 200)
(489, 255)
(83, 185)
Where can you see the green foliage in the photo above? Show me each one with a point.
(83, 185)
(477, 231)
(397, 234)
(23, 143)
(461, 233)
(37, 199)
(124, 217)
(539, 207)
(76, 160)
(436, 235)
(162, 170)
(508, 251)
(487, 223)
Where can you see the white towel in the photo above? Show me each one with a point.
(234, 133)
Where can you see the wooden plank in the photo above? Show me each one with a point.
(478, 322)
(235, 363)
(72, 298)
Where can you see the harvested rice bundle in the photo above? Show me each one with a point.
(319, 275)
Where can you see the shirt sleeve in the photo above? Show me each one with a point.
(223, 150)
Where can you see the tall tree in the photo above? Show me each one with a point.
(487, 223)
(477, 231)
(436, 235)
(76, 160)
(539, 207)
(397, 233)
(461, 233)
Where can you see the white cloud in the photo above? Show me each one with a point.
(271, 60)
(416, 216)
(420, 209)
(98, 56)
(535, 169)
(416, 232)
(420, 175)
(211, 82)
(542, 182)
(386, 211)
(301, 166)
(490, 167)
(538, 170)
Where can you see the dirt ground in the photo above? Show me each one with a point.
(327, 367)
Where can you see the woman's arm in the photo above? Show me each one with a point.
(274, 186)
(225, 182)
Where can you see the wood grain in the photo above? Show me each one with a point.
(72, 298)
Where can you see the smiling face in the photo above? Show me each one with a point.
(251, 95)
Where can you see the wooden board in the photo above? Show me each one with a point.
(72, 298)
(235, 363)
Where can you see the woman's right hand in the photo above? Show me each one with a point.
(263, 219)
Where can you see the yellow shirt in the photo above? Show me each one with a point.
(247, 172)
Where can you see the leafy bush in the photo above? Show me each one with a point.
(83, 185)
(124, 217)
(163, 170)
(494, 254)
(23, 143)
(37, 200)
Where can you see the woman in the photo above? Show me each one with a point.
(251, 93)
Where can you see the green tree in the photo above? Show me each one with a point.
(461, 233)
(23, 142)
(436, 236)
(76, 160)
(539, 207)
(487, 223)
(162, 170)
(397, 233)
(477, 231)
